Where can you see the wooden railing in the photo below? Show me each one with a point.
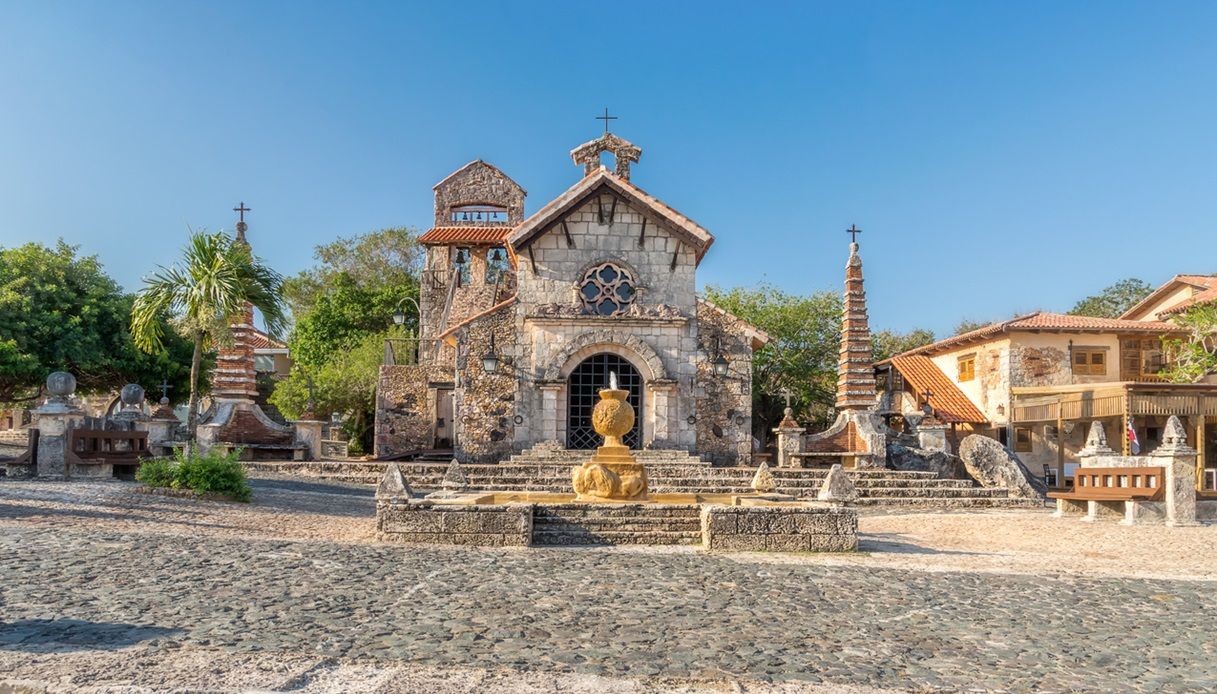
(1087, 405)
(120, 447)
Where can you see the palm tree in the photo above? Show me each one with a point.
(217, 277)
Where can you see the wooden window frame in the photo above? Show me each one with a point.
(1088, 365)
(966, 368)
(1023, 441)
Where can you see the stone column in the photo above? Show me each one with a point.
(1179, 459)
(161, 428)
(549, 411)
(308, 432)
(55, 421)
(661, 412)
(790, 441)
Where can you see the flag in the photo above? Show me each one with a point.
(1133, 444)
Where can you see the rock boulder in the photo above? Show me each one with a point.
(993, 465)
(941, 463)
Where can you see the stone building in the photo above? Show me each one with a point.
(522, 318)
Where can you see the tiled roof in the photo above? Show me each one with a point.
(1049, 322)
(470, 234)
(684, 228)
(1201, 282)
(948, 401)
(260, 340)
(759, 337)
(1203, 296)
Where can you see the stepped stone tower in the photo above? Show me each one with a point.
(856, 369)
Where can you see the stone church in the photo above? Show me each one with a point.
(524, 316)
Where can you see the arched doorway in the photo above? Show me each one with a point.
(583, 392)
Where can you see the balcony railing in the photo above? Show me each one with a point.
(402, 351)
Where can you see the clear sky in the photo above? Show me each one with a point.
(1000, 157)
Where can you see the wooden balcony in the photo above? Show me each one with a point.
(1102, 400)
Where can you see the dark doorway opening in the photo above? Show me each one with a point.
(583, 392)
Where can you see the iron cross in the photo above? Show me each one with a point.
(788, 395)
(165, 388)
(853, 232)
(927, 395)
(241, 209)
(606, 118)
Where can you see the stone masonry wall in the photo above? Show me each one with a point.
(779, 529)
(485, 403)
(405, 407)
(724, 404)
(1042, 366)
(420, 521)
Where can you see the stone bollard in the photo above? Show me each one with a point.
(308, 432)
(790, 441)
(55, 421)
(1179, 459)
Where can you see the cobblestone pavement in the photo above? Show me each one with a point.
(72, 586)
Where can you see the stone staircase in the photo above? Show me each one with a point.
(668, 471)
(616, 524)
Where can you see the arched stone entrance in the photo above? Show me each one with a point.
(583, 388)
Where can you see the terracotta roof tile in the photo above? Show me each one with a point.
(260, 340)
(1203, 296)
(1042, 320)
(948, 401)
(466, 234)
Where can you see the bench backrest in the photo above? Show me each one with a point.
(1144, 482)
(110, 446)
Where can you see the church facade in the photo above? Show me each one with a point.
(522, 319)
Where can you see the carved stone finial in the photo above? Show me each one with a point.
(393, 485)
(763, 481)
(837, 486)
(454, 478)
(624, 152)
(1096, 441)
(1174, 436)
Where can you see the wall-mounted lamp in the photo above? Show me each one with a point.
(719, 364)
(490, 360)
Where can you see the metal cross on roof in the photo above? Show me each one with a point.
(853, 232)
(927, 394)
(606, 118)
(241, 209)
(165, 388)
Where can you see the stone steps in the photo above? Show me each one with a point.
(616, 524)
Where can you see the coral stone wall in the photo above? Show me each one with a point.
(485, 403)
(405, 407)
(724, 404)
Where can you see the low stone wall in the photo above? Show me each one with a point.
(779, 528)
(423, 521)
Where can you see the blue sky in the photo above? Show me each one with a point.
(1000, 157)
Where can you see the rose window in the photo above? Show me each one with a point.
(607, 290)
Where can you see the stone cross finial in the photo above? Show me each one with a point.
(164, 387)
(624, 152)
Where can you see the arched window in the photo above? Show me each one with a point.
(607, 290)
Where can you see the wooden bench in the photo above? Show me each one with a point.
(1099, 489)
(95, 452)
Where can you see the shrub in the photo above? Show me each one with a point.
(210, 473)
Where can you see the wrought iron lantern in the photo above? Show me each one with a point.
(490, 360)
(720, 366)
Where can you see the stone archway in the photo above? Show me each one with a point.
(633, 348)
(583, 387)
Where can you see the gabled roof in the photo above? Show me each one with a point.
(676, 223)
(1203, 284)
(477, 235)
(1043, 321)
(260, 340)
(949, 402)
(477, 163)
(759, 337)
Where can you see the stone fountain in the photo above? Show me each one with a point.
(612, 474)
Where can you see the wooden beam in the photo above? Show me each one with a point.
(613, 210)
(675, 255)
(570, 243)
(600, 207)
(1200, 446)
(1060, 446)
(642, 236)
(532, 260)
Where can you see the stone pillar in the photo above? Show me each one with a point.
(161, 428)
(308, 432)
(790, 441)
(549, 411)
(661, 412)
(55, 421)
(1179, 459)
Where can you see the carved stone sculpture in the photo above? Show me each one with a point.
(612, 473)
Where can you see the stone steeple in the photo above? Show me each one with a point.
(856, 368)
(235, 379)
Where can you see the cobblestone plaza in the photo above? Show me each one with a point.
(105, 586)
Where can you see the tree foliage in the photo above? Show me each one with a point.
(967, 325)
(888, 343)
(1113, 301)
(343, 309)
(60, 311)
(205, 294)
(802, 356)
(1192, 358)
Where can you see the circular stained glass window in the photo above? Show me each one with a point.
(607, 290)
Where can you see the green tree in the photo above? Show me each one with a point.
(967, 325)
(376, 261)
(60, 311)
(888, 343)
(217, 277)
(802, 357)
(1113, 301)
(346, 382)
(1192, 358)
